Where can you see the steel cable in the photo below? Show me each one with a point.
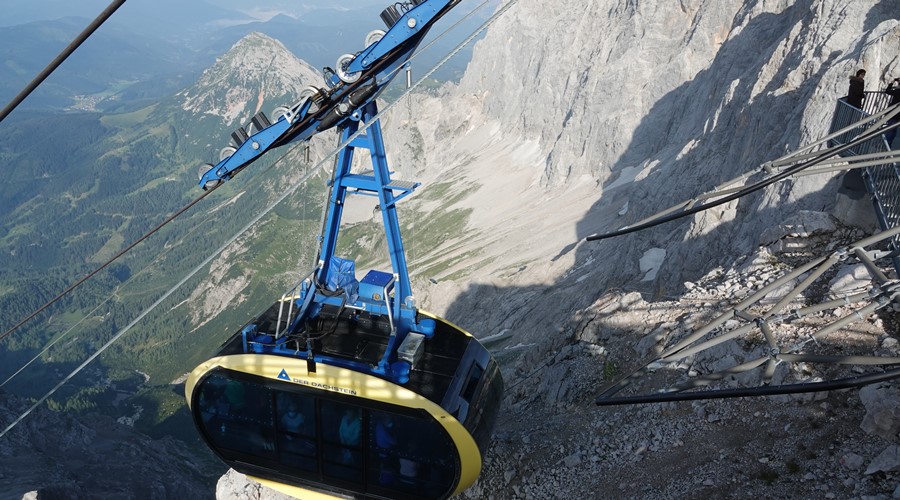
(868, 135)
(846, 383)
(149, 267)
(187, 207)
(107, 263)
(81, 38)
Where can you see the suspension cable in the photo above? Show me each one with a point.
(57, 340)
(291, 189)
(61, 57)
(845, 383)
(869, 134)
(444, 33)
(110, 297)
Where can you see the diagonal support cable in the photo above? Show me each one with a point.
(289, 191)
(689, 207)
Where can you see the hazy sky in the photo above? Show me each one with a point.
(267, 9)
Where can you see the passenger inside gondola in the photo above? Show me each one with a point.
(385, 445)
(297, 428)
(341, 433)
(292, 419)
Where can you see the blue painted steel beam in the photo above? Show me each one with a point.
(377, 183)
(416, 20)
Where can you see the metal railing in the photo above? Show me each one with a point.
(290, 297)
(882, 181)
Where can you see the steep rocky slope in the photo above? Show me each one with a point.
(569, 125)
(258, 74)
(54, 455)
(256, 70)
(554, 442)
(654, 105)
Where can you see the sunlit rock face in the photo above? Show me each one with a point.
(256, 70)
(654, 105)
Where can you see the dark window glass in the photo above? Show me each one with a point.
(409, 454)
(237, 415)
(289, 434)
(483, 411)
(472, 383)
(296, 430)
(342, 427)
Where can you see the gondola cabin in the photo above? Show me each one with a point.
(343, 388)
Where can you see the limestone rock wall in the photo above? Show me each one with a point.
(658, 103)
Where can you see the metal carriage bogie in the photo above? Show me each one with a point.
(368, 74)
(405, 21)
(333, 341)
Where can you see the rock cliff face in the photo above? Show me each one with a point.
(606, 85)
(54, 455)
(624, 109)
(581, 117)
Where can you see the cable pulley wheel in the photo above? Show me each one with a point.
(374, 37)
(341, 69)
(279, 112)
(226, 152)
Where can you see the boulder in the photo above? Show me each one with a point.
(882, 405)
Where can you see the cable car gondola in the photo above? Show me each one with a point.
(346, 432)
(343, 387)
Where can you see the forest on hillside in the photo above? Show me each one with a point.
(85, 186)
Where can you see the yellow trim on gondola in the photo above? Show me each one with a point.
(442, 320)
(295, 491)
(353, 384)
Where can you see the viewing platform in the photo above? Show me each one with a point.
(880, 168)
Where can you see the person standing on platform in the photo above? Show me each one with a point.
(857, 91)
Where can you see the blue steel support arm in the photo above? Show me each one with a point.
(374, 68)
(345, 104)
(336, 199)
(378, 184)
(417, 20)
(388, 204)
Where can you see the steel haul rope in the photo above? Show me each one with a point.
(81, 38)
(868, 135)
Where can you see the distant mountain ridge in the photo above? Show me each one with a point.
(171, 19)
(26, 49)
(147, 51)
(256, 70)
